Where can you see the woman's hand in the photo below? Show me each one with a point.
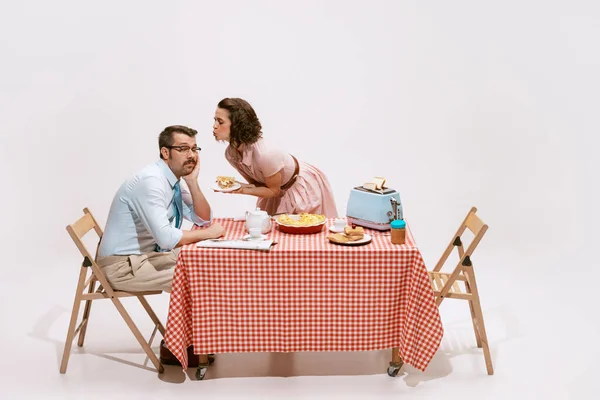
(240, 190)
(243, 186)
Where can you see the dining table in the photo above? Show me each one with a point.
(304, 294)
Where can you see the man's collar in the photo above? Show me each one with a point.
(164, 167)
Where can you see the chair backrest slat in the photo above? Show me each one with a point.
(79, 243)
(474, 223)
(83, 225)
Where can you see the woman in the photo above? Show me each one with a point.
(281, 183)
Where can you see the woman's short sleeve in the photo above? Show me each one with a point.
(270, 162)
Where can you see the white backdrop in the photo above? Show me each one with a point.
(456, 103)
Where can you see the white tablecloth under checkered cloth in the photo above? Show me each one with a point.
(306, 294)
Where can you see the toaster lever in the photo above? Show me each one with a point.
(394, 208)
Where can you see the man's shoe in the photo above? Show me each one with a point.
(167, 358)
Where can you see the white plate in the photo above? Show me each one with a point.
(235, 186)
(248, 237)
(366, 239)
(332, 229)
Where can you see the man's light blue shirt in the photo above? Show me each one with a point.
(142, 214)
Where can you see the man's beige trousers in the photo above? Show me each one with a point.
(137, 273)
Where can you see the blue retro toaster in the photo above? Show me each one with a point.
(373, 209)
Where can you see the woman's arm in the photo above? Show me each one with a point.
(272, 189)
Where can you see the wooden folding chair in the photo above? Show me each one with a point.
(104, 291)
(461, 284)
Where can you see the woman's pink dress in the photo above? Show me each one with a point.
(311, 193)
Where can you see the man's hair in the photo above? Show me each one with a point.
(245, 126)
(165, 139)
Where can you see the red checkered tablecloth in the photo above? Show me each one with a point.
(305, 294)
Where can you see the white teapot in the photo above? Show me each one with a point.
(258, 219)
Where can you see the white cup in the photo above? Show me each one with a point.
(255, 232)
(339, 224)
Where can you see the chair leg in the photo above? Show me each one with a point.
(473, 317)
(152, 315)
(478, 321)
(86, 314)
(73, 323)
(475, 322)
(138, 335)
(484, 340)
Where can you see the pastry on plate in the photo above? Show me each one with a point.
(339, 238)
(225, 182)
(354, 233)
(349, 235)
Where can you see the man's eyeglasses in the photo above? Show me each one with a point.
(185, 149)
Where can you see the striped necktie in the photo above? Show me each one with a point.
(177, 202)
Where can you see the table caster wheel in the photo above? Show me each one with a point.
(394, 368)
(200, 373)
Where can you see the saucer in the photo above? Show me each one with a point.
(332, 229)
(248, 237)
(218, 188)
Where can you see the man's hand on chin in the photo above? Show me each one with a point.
(193, 176)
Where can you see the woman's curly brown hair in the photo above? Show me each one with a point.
(245, 126)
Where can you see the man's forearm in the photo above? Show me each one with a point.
(201, 206)
(193, 237)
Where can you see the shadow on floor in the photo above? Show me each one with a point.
(458, 340)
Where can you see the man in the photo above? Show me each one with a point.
(143, 231)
